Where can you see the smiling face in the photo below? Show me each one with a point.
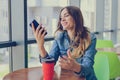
(67, 20)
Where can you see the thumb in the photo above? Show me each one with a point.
(33, 28)
(69, 54)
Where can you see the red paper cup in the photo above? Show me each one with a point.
(48, 70)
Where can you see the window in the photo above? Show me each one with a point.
(33, 53)
(4, 36)
(118, 37)
(107, 19)
(107, 35)
(88, 10)
(4, 30)
(4, 62)
(107, 15)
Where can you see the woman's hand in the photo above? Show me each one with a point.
(67, 62)
(39, 35)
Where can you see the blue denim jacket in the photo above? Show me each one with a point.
(60, 46)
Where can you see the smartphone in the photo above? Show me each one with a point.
(36, 24)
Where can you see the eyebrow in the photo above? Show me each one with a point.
(65, 14)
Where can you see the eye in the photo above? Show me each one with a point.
(66, 15)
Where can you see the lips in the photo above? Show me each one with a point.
(64, 24)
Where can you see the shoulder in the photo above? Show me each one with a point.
(92, 36)
(59, 35)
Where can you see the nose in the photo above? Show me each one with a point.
(62, 19)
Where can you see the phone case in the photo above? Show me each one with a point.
(36, 24)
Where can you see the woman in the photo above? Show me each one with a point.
(73, 43)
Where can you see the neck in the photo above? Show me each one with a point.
(71, 34)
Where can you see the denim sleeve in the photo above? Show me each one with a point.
(54, 52)
(88, 59)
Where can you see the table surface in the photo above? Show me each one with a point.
(116, 50)
(35, 73)
(25, 74)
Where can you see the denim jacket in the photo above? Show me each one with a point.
(60, 46)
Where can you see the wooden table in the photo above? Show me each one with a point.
(25, 74)
(116, 50)
(35, 73)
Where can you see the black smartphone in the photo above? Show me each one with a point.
(36, 24)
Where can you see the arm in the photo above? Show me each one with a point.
(39, 35)
(40, 41)
(54, 52)
(82, 66)
(88, 59)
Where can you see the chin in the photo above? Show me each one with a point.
(64, 29)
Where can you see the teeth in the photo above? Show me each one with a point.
(64, 23)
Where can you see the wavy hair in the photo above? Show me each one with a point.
(81, 39)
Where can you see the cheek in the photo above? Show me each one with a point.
(71, 21)
(72, 24)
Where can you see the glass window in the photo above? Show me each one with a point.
(4, 36)
(107, 35)
(107, 15)
(33, 54)
(118, 14)
(118, 37)
(4, 62)
(88, 10)
(4, 32)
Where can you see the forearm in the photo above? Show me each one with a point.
(43, 52)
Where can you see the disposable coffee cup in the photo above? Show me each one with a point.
(48, 68)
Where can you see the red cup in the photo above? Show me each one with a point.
(48, 70)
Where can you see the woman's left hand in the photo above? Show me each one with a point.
(67, 62)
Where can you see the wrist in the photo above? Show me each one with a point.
(42, 51)
(77, 68)
(41, 47)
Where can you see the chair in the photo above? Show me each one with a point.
(114, 64)
(104, 43)
(101, 67)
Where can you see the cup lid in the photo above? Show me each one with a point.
(48, 60)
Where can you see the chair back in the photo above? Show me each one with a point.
(114, 64)
(104, 44)
(101, 67)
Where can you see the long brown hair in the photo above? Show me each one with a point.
(81, 39)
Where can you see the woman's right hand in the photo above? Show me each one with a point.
(39, 35)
